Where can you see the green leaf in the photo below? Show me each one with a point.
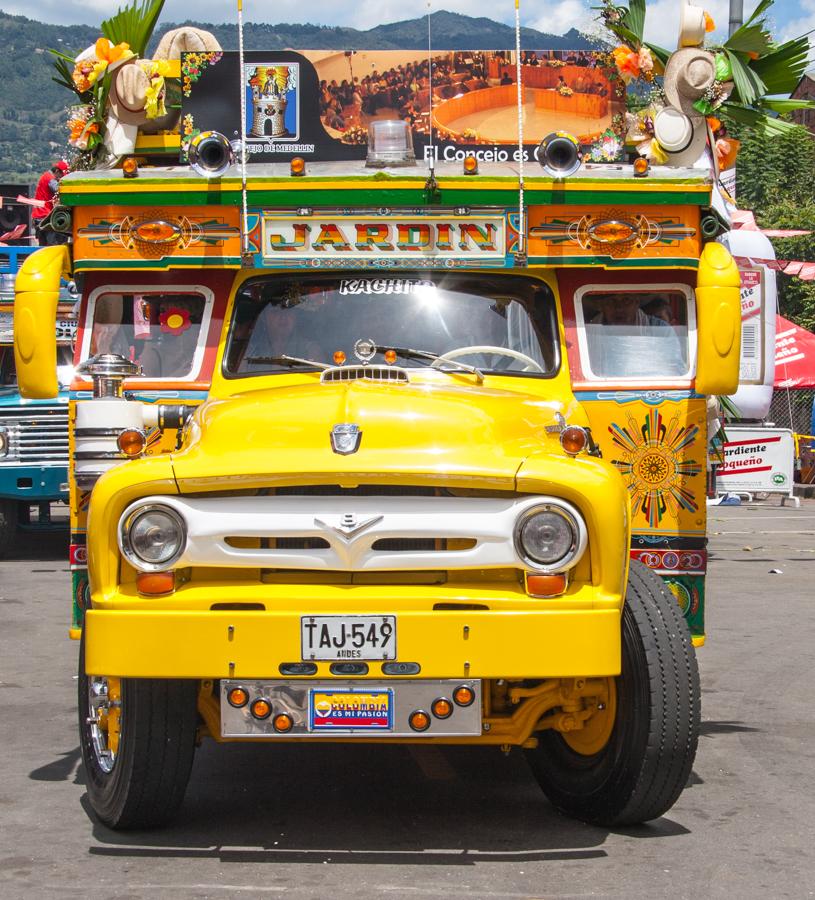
(759, 11)
(768, 126)
(748, 84)
(749, 39)
(783, 106)
(634, 18)
(659, 53)
(782, 69)
(134, 24)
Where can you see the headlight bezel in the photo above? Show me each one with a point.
(579, 536)
(126, 523)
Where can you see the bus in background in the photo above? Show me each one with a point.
(33, 433)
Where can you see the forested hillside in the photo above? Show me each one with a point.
(33, 108)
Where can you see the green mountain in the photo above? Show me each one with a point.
(33, 109)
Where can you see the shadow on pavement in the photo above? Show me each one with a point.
(365, 805)
(712, 728)
(40, 545)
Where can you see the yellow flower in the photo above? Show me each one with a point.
(710, 25)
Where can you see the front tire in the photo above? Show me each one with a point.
(138, 739)
(644, 765)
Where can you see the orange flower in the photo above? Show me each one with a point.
(714, 123)
(627, 62)
(110, 54)
(710, 25)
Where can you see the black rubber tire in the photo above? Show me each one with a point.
(645, 765)
(146, 785)
(9, 515)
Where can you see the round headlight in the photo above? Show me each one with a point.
(549, 537)
(3, 442)
(153, 537)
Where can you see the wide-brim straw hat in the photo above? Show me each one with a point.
(181, 40)
(683, 138)
(128, 94)
(688, 74)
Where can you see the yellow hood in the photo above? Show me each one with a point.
(469, 434)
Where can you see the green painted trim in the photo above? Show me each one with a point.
(182, 262)
(376, 196)
(609, 262)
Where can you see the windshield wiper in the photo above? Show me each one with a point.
(410, 353)
(287, 361)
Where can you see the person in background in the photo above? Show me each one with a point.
(47, 188)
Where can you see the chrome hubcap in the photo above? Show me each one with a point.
(103, 720)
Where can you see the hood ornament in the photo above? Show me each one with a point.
(349, 526)
(345, 438)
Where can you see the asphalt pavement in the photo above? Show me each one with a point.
(360, 821)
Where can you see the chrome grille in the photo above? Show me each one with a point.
(365, 373)
(36, 435)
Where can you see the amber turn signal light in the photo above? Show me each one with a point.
(545, 585)
(573, 439)
(390, 357)
(442, 708)
(641, 167)
(338, 357)
(463, 695)
(298, 166)
(282, 723)
(130, 167)
(419, 720)
(131, 442)
(261, 709)
(470, 165)
(238, 697)
(151, 583)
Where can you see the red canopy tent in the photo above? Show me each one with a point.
(794, 355)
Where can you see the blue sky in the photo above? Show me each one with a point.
(789, 17)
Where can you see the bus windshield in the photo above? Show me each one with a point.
(501, 325)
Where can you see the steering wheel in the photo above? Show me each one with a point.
(530, 364)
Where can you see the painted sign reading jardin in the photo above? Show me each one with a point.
(356, 241)
(318, 103)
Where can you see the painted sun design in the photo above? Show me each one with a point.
(654, 466)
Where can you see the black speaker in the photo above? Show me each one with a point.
(13, 213)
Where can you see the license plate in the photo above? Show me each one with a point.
(342, 710)
(348, 637)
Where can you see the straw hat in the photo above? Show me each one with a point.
(688, 74)
(181, 40)
(128, 94)
(683, 138)
(691, 26)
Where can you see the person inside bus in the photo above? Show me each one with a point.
(626, 341)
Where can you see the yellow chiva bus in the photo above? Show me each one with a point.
(384, 458)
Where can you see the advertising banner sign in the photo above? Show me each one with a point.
(757, 460)
(752, 326)
(318, 104)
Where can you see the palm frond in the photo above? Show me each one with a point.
(769, 126)
(749, 39)
(785, 106)
(759, 11)
(659, 53)
(748, 84)
(134, 24)
(634, 18)
(782, 69)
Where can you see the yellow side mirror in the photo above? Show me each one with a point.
(718, 321)
(36, 295)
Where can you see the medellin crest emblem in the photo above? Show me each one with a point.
(345, 438)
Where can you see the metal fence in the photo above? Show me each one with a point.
(792, 409)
